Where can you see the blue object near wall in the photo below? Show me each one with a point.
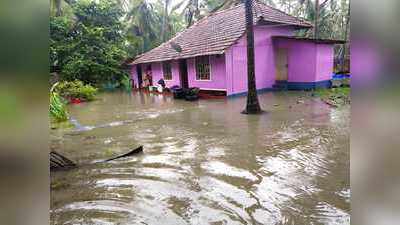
(340, 76)
(259, 91)
(308, 85)
(293, 86)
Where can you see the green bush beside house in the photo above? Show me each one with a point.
(76, 90)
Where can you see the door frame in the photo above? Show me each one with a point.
(278, 71)
(139, 75)
(183, 73)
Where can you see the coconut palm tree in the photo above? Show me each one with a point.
(192, 11)
(169, 18)
(164, 20)
(142, 24)
(252, 105)
(314, 13)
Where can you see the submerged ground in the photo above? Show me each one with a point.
(204, 162)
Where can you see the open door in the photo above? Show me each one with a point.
(183, 73)
(282, 64)
(139, 74)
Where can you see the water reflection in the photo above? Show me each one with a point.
(204, 162)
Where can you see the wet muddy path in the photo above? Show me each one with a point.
(204, 162)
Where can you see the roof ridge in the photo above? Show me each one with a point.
(213, 14)
(224, 10)
(215, 32)
(189, 28)
(281, 11)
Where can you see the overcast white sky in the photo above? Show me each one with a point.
(174, 2)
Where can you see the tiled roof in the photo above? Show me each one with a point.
(215, 33)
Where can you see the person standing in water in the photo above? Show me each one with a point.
(147, 81)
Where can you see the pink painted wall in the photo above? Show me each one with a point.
(301, 60)
(134, 75)
(218, 74)
(325, 62)
(236, 60)
(308, 61)
(157, 73)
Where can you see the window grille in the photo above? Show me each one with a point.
(203, 68)
(167, 70)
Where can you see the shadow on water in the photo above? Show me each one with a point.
(204, 162)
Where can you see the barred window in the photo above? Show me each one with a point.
(202, 68)
(167, 70)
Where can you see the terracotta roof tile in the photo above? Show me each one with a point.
(215, 33)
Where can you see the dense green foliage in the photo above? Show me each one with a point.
(76, 89)
(58, 110)
(89, 46)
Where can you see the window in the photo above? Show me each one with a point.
(203, 68)
(167, 70)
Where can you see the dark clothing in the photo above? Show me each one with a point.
(161, 82)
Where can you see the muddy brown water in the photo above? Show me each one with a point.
(204, 162)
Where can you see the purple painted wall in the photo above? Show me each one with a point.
(134, 75)
(307, 61)
(325, 62)
(157, 73)
(217, 82)
(301, 60)
(236, 60)
(218, 77)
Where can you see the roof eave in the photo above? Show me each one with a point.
(303, 25)
(137, 61)
(317, 41)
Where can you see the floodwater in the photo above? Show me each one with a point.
(204, 162)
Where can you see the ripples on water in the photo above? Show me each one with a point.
(204, 162)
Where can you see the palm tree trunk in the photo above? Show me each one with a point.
(346, 46)
(57, 6)
(316, 19)
(164, 21)
(252, 106)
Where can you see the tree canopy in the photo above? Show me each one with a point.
(90, 44)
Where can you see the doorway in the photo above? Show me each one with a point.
(139, 75)
(282, 64)
(183, 74)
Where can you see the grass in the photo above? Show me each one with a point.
(334, 96)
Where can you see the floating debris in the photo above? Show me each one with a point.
(58, 161)
(134, 151)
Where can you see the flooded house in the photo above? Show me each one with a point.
(211, 54)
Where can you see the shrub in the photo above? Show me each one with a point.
(58, 111)
(76, 89)
(126, 83)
